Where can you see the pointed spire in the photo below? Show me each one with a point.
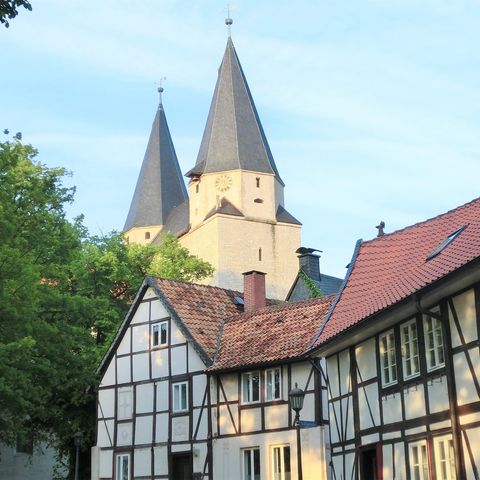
(160, 186)
(233, 137)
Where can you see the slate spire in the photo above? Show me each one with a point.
(160, 186)
(233, 137)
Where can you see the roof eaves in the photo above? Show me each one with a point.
(339, 294)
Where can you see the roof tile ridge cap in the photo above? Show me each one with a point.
(324, 322)
(201, 285)
(417, 224)
(231, 47)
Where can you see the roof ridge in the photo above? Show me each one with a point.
(279, 307)
(408, 227)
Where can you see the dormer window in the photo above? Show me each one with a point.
(445, 243)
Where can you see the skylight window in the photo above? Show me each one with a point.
(445, 243)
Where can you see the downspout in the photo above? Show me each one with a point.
(452, 392)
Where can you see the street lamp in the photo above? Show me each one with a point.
(77, 440)
(296, 396)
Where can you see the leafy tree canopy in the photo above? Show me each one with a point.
(9, 9)
(63, 294)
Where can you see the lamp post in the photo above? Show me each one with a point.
(296, 396)
(77, 440)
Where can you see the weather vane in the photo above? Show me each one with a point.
(160, 87)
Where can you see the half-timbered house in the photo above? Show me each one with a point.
(152, 419)
(402, 354)
(259, 360)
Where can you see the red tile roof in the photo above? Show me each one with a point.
(201, 308)
(389, 269)
(270, 334)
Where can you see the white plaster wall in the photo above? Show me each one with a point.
(106, 400)
(176, 335)
(251, 420)
(368, 397)
(142, 462)
(124, 403)
(143, 430)
(438, 394)
(466, 392)
(344, 358)
(308, 411)
(300, 373)
(230, 386)
(276, 416)
(335, 420)
(332, 375)
(140, 334)
(203, 428)
(179, 360)
(347, 407)
(160, 363)
(161, 460)
(142, 314)
(123, 373)
(161, 430)
(392, 408)
(144, 398)
(109, 376)
(465, 308)
(159, 312)
(225, 422)
(141, 369)
(124, 346)
(105, 434)
(195, 364)
(124, 434)
(414, 402)
(365, 354)
(105, 463)
(473, 435)
(199, 384)
(180, 429)
(162, 395)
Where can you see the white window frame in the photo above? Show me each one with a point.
(388, 358)
(434, 349)
(410, 353)
(444, 458)
(152, 334)
(119, 466)
(250, 452)
(270, 387)
(247, 386)
(421, 465)
(177, 388)
(278, 471)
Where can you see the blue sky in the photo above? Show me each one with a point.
(371, 108)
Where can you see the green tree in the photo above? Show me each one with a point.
(9, 9)
(63, 295)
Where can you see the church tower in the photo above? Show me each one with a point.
(235, 216)
(160, 186)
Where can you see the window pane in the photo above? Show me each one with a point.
(184, 396)
(269, 385)
(246, 387)
(255, 387)
(247, 465)
(163, 333)
(125, 467)
(155, 335)
(256, 464)
(276, 393)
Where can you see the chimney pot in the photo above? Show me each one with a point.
(254, 290)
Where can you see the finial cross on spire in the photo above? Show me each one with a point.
(228, 20)
(160, 87)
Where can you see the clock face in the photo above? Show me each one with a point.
(223, 183)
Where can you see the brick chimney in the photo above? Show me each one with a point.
(310, 264)
(254, 290)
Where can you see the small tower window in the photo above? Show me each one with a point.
(197, 188)
(259, 254)
(258, 181)
(258, 200)
(147, 235)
